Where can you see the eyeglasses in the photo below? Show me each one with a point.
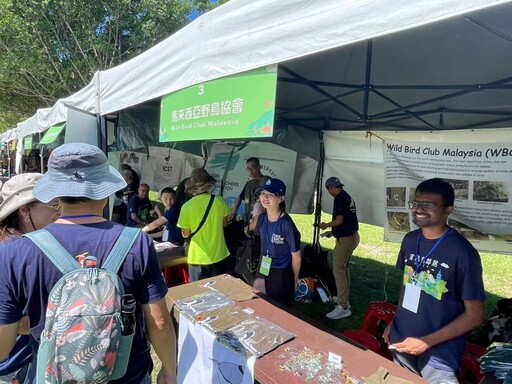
(426, 205)
(55, 207)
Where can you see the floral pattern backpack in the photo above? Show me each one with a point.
(82, 341)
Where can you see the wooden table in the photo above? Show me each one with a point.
(358, 361)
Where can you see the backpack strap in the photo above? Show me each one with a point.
(53, 250)
(120, 250)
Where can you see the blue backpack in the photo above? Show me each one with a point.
(82, 339)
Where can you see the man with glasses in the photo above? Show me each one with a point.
(442, 297)
(345, 227)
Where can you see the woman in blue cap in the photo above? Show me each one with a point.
(280, 244)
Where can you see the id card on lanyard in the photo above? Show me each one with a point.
(412, 292)
(266, 260)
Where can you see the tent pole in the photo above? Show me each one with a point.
(368, 73)
(318, 191)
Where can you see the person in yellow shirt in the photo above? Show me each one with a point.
(207, 253)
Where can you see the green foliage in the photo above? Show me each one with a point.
(50, 49)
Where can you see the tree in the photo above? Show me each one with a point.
(50, 49)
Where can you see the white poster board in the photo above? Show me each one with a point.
(481, 175)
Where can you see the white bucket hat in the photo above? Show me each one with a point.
(78, 170)
(17, 192)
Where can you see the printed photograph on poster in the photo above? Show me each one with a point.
(395, 197)
(490, 191)
(399, 222)
(480, 175)
(460, 187)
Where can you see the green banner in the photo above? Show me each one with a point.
(238, 106)
(27, 142)
(52, 133)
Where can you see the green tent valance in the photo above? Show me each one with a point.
(52, 133)
(27, 143)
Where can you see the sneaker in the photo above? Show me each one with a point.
(339, 313)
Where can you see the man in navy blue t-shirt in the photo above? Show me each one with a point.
(80, 177)
(442, 297)
(140, 210)
(345, 229)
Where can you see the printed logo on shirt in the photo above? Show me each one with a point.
(432, 285)
(352, 206)
(277, 239)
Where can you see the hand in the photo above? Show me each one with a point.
(231, 216)
(412, 346)
(157, 210)
(165, 377)
(327, 234)
(323, 225)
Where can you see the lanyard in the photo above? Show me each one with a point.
(419, 262)
(78, 216)
(269, 241)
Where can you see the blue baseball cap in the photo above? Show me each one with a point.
(333, 182)
(275, 186)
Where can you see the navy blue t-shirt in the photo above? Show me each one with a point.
(278, 239)
(141, 208)
(172, 215)
(28, 276)
(452, 274)
(346, 207)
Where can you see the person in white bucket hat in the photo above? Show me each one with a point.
(80, 177)
(21, 212)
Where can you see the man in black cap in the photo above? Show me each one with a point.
(345, 228)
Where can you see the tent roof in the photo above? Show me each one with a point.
(417, 50)
(451, 74)
(358, 64)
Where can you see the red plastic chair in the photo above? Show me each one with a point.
(471, 364)
(175, 275)
(364, 338)
(378, 315)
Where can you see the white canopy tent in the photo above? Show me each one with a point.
(242, 35)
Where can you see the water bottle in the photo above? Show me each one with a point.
(128, 314)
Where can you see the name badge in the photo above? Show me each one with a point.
(411, 297)
(265, 265)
